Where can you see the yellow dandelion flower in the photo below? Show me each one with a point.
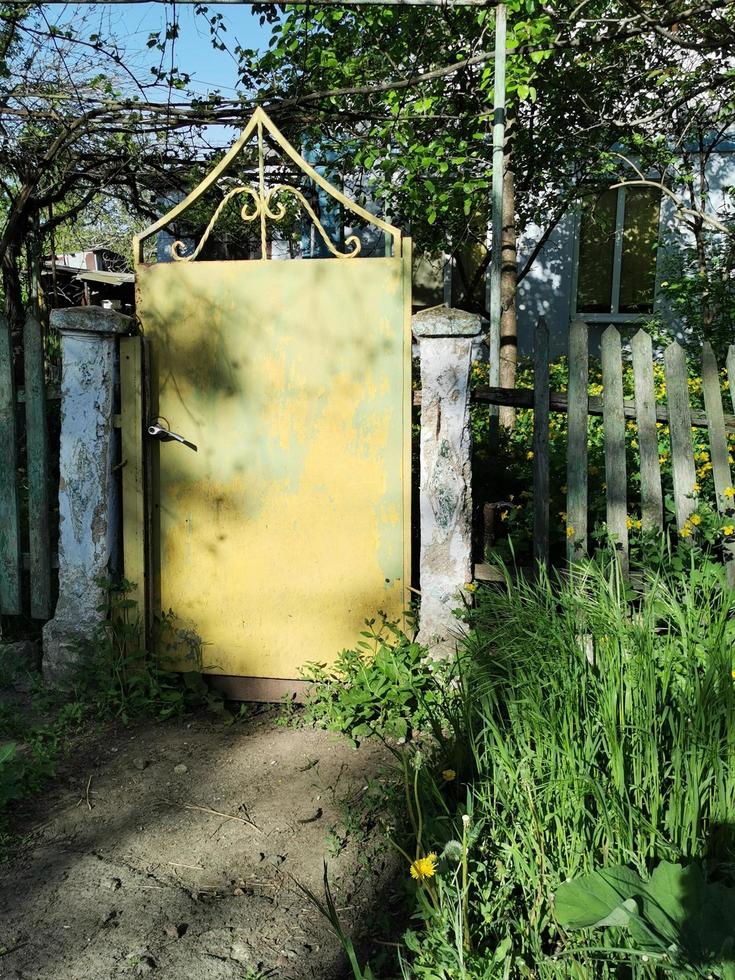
(424, 867)
(696, 488)
(729, 492)
(529, 454)
(470, 587)
(449, 775)
(629, 522)
(570, 532)
(732, 674)
(685, 532)
(503, 515)
(695, 519)
(728, 529)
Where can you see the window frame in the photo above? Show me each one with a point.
(614, 316)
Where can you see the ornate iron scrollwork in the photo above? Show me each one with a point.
(261, 204)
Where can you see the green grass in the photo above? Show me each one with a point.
(589, 724)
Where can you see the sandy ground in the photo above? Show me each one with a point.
(126, 871)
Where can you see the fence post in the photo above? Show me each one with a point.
(445, 348)
(87, 496)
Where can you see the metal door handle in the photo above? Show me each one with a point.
(163, 434)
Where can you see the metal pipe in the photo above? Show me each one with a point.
(497, 194)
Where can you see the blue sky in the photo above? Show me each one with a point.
(131, 23)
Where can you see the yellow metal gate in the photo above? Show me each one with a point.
(289, 524)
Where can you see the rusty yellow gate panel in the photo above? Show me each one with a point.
(289, 525)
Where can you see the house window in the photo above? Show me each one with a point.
(616, 272)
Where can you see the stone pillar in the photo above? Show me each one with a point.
(87, 488)
(445, 338)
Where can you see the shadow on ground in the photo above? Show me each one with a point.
(172, 850)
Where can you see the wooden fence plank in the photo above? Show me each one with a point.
(541, 444)
(577, 440)
(37, 465)
(652, 504)
(10, 554)
(718, 449)
(680, 425)
(731, 375)
(613, 421)
(717, 435)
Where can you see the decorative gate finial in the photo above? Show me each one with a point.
(260, 203)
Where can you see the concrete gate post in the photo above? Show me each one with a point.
(88, 498)
(445, 338)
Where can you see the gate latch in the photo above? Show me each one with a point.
(164, 434)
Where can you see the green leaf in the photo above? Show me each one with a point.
(591, 900)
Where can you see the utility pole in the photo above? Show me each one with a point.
(497, 197)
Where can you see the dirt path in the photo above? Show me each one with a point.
(124, 877)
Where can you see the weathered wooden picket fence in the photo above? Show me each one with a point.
(578, 405)
(26, 503)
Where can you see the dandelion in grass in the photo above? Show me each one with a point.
(728, 530)
(686, 531)
(729, 492)
(696, 488)
(732, 674)
(695, 519)
(449, 775)
(570, 532)
(424, 867)
(529, 454)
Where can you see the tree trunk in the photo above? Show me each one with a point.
(508, 285)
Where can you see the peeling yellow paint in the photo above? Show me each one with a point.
(288, 528)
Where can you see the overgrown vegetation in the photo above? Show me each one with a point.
(591, 723)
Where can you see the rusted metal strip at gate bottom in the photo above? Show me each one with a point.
(271, 690)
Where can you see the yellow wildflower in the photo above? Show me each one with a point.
(696, 488)
(470, 587)
(686, 531)
(503, 515)
(424, 867)
(728, 530)
(570, 532)
(729, 492)
(529, 454)
(449, 775)
(732, 674)
(695, 519)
